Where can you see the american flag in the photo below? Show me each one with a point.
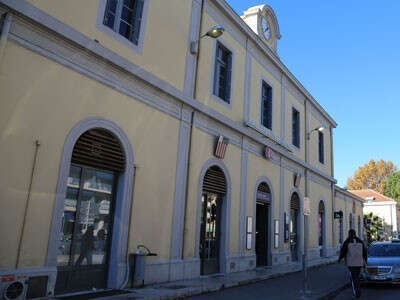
(220, 149)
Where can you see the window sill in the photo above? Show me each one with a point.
(268, 133)
(295, 148)
(221, 101)
(116, 36)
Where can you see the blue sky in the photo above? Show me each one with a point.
(347, 54)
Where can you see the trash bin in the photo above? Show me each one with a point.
(138, 265)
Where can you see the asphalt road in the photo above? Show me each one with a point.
(373, 292)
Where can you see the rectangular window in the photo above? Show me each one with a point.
(266, 105)
(321, 147)
(223, 73)
(124, 17)
(295, 128)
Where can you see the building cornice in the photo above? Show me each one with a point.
(348, 194)
(233, 16)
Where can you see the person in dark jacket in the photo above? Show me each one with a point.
(87, 247)
(354, 270)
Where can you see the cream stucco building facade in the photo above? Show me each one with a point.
(109, 123)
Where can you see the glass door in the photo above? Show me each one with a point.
(86, 230)
(210, 233)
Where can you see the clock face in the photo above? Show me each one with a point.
(266, 28)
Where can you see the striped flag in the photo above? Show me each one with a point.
(220, 149)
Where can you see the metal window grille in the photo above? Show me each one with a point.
(214, 181)
(100, 149)
(295, 202)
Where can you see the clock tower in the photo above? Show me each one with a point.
(262, 20)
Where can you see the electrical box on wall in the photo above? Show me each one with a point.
(27, 283)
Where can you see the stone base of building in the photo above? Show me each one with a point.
(187, 269)
(280, 258)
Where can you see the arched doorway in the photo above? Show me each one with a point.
(212, 202)
(83, 255)
(321, 227)
(263, 211)
(294, 226)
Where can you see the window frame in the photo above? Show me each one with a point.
(214, 96)
(265, 83)
(115, 34)
(298, 131)
(321, 147)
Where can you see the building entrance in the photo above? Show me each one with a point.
(262, 224)
(214, 191)
(87, 222)
(294, 222)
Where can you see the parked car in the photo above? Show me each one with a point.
(383, 264)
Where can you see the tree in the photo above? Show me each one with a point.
(373, 228)
(393, 187)
(372, 175)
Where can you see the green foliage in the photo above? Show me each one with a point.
(374, 227)
(393, 187)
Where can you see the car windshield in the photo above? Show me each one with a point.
(384, 250)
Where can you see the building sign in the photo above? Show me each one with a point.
(269, 153)
(276, 234)
(263, 196)
(307, 206)
(220, 149)
(249, 231)
(338, 215)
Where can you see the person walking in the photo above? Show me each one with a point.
(87, 247)
(355, 255)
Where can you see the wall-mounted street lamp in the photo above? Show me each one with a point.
(214, 33)
(319, 129)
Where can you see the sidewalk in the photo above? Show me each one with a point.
(285, 282)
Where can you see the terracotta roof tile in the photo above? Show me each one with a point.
(378, 197)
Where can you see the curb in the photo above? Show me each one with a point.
(200, 290)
